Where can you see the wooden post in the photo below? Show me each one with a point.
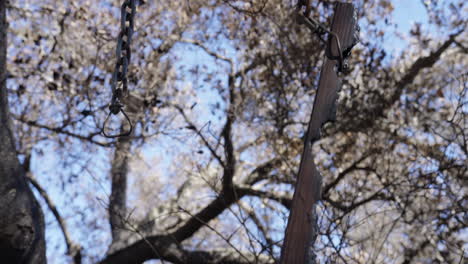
(301, 230)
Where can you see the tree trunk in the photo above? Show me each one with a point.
(118, 197)
(21, 219)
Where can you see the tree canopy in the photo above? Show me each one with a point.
(220, 93)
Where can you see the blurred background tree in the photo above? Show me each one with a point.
(220, 93)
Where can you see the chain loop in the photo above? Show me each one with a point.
(119, 82)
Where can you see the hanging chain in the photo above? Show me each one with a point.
(119, 82)
(320, 30)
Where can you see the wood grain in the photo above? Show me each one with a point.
(300, 232)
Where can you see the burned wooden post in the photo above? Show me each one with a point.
(302, 230)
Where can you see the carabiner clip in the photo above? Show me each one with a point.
(114, 110)
(319, 29)
(342, 67)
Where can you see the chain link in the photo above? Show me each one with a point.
(119, 82)
(123, 51)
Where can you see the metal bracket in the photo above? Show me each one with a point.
(319, 29)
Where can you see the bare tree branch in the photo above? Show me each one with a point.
(61, 130)
(282, 199)
(170, 251)
(73, 249)
(144, 251)
(192, 126)
(208, 51)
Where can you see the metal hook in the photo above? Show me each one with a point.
(114, 110)
(329, 54)
(319, 29)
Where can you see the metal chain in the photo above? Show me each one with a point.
(320, 30)
(119, 82)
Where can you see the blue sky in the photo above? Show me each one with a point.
(405, 14)
(408, 12)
